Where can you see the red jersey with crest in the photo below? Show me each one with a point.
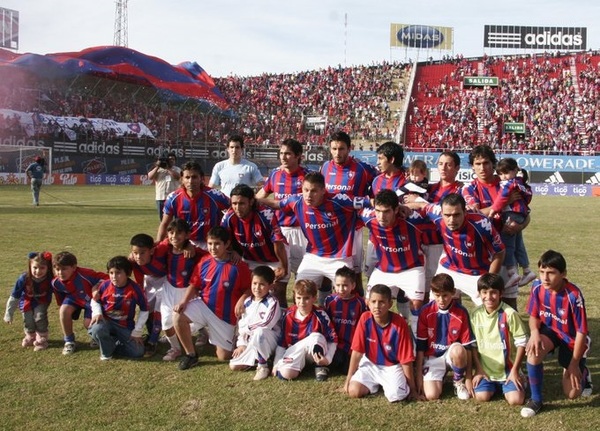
(478, 193)
(507, 188)
(283, 184)
(40, 293)
(221, 284)
(437, 192)
(344, 314)
(392, 182)
(563, 311)
(78, 288)
(389, 345)
(157, 267)
(294, 330)
(119, 303)
(202, 212)
(256, 233)
(329, 227)
(353, 178)
(437, 329)
(471, 248)
(180, 268)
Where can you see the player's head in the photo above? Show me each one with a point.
(490, 287)
(192, 177)
(483, 160)
(290, 154)
(178, 233)
(390, 154)
(340, 146)
(313, 189)
(118, 266)
(235, 148)
(263, 278)
(386, 207)
(417, 170)
(238, 140)
(218, 240)
(64, 265)
(142, 248)
(454, 210)
(305, 295)
(38, 266)
(442, 290)
(380, 302)
(448, 165)
(242, 200)
(344, 282)
(552, 268)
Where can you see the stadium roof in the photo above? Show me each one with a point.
(182, 83)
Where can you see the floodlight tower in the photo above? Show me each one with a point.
(121, 23)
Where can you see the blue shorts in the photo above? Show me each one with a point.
(87, 310)
(486, 385)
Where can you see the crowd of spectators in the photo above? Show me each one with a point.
(555, 96)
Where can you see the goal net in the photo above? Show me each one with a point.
(14, 159)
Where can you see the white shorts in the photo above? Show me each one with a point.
(297, 243)
(315, 268)
(433, 254)
(436, 367)
(371, 259)
(463, 282)
(412, 281)
(391, 378)
(358, 251)
(154, 287)
(261, 342)
(171, 296)
(252, 264)
(296, 356)
(221, 333)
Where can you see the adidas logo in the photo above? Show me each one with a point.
(595, 179)
(555, 178)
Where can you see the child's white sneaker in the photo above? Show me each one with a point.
(527, 278)
(261, 373)
(461, 391)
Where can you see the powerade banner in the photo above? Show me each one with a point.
(528, 37)
(421, 36)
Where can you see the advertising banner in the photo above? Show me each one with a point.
(529, 37)
(421, 36)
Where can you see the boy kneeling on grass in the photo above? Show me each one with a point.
(382, 352)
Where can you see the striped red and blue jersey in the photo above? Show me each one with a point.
(437, 192)
(563, 311)
(283, 184)
(392, 182)
(202, 212)
(482, 195)
(40, 292)
(119, 303)
(256, 233)
(344, 314)
(294, 330)
(398, 247)
(221, 284)
(438, 329)
(353, 178)
(157, 267)
(329, 227)
(180, 268)
(389, 345)
(79, 287)
(471, 248)
(507, 187)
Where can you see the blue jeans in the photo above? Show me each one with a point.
(115, 339)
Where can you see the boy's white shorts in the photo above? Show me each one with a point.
(262, 341)
(412, 281)
(391, 378)
(463, 282)
(170, 297)
(436, 367)
(220, 333)
(296, 356)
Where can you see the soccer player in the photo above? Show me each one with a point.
(307, 335)
(382, 352)
(397, 246)
(390, 159)
(443, 337)
(235, 170)
(214, 290)
(114, 304)
(344, 308)
(259, 327)
(500, 350)
(557, 320)
(200, 206)
(329, 224)
(256, 230)
(73, 288)
(283, 182)
(472, 245)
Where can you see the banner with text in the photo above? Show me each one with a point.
(421, 36)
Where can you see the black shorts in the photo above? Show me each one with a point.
(565, 354)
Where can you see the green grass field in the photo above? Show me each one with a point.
(45, 390)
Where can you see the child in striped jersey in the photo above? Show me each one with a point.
(259, 326)
(344, 308)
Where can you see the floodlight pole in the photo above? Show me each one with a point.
(121, 24)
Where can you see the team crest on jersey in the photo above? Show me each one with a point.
(454, 331)
(469, 244)
(403, 238)
(240, 176)
(329, 214)
(261, 315)
(502, 325)
(205, 210)
(350, 174)
(184, 273)
(387, 347)
(226, 284)
(561, 312)
(258, 233)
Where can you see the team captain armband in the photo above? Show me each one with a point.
(360, 202)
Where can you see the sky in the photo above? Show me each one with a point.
(251, 37)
